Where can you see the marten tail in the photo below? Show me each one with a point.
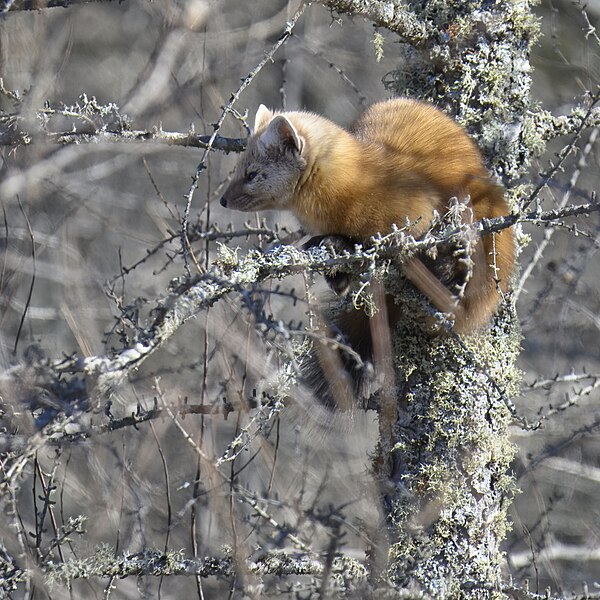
(348, 362)
(339, 370)
(468, 282)
(493, 260)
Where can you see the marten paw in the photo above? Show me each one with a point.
(336, 244)
(337, 280)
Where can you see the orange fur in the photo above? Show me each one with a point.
(403, 159)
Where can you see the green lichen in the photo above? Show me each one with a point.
(227, 258)
(378, 41)
(450, 464)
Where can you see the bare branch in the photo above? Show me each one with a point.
(12, 135)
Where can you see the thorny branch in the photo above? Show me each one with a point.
(155, 563)
(11, 134)
(213, 234)
(571, 398)
(228, 109)
(568, 378)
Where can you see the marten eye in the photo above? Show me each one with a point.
(251, 175)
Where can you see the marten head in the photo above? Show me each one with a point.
(271, 166)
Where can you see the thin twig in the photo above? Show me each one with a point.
(33, 274)
(287, 32)
(560, 210)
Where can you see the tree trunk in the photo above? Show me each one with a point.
(444, 455)
(443, 464)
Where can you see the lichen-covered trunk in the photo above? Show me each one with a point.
(444, 453)
(443, 463)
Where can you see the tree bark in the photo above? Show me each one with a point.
(444, 471)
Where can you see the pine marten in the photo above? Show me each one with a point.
(401, 161)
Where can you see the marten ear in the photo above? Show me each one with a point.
(281, 134)
(263, 116)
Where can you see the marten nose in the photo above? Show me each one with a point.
(224, 201)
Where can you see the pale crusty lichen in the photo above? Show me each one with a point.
(345, 573)
(476, 66)
(449, 471)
